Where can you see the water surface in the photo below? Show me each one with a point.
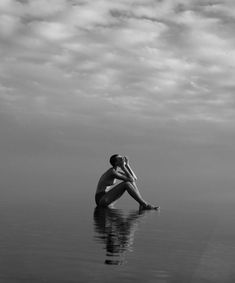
(67, 239)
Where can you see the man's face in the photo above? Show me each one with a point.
(119, 159)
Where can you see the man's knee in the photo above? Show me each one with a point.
(128, 184)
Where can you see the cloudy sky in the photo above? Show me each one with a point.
(150, 78)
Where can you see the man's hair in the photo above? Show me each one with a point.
(113, 159)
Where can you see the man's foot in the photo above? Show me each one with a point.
(149, 207)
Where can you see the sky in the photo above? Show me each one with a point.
(81, 80)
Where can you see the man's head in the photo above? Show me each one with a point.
(116, 160)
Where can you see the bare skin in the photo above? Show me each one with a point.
(128, 178)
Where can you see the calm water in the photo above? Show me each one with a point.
(66, 239)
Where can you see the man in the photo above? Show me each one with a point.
(106, 194)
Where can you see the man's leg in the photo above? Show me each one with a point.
(116, 192)
(134, 192)
(112, 195)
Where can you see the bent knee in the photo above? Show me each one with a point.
(128, 184)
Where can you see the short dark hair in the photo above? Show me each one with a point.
(113, 159)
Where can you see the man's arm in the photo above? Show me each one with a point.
(127, 173)
(123, 175)
(129, 168)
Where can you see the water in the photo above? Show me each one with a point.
(60, 238)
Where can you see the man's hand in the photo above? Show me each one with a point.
(122, 165)
(126, 160)
(128, 167)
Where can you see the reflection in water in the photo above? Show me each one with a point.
(116, 231)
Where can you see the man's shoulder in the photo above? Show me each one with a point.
(111, 171)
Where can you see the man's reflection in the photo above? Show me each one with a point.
(116, 231)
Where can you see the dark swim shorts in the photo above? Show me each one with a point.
(98, 196)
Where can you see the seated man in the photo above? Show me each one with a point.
(105, 195)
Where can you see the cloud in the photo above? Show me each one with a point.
(11, 7)
(9, 25)
(44, 8)
(160, 60)
(52, 31)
